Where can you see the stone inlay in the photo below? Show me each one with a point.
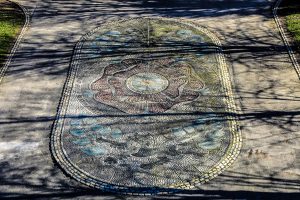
(147, 108)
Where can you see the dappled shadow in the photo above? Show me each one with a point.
(175, 8)
(266, 88)
(288, 7)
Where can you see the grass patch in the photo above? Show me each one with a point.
(291, 10)
(11, 22)
(293, 25)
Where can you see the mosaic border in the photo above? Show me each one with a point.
(83, 177)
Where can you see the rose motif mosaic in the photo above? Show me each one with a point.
(147, 108)
(146, 89)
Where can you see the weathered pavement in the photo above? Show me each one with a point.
(266, 87)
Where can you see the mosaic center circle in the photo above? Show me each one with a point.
(147, 83)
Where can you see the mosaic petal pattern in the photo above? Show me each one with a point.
(147, 108)
(146, 89)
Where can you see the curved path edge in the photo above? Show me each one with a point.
(17, 41)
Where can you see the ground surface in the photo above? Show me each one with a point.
(266, 87)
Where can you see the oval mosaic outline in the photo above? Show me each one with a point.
(231, 154)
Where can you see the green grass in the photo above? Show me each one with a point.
(291, 10)
(11, 22)
(293, 25)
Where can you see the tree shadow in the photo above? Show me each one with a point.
(266, 88)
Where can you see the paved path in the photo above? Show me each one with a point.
(266, 85)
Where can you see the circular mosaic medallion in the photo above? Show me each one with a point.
(147, 83)
(147, 108)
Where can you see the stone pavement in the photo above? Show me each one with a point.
(266, 91)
